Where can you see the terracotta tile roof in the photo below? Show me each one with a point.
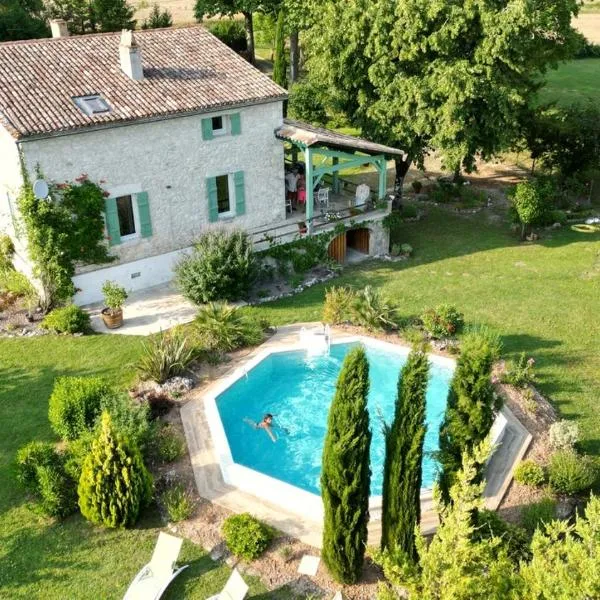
(309, 135)
(185, 70)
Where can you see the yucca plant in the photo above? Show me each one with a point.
(223, 328)
(372, 310)
(165, 355)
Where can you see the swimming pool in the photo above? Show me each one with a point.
(297, 389)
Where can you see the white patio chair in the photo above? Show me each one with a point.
(363, 191)
(288, 205)
(323, 198)
(154, 578)
(235, 588)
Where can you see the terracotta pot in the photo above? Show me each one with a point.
(112, 319)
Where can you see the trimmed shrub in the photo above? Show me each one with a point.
(537, 514)
(76, 453)
(529, 473)
(571, 473)
(130, 419)
(409, 211)
(346, 473)
(246, 536)
(178, 503)
(67, 319)
(114, 485)
(443, 321)
(223, 328)
(165, 355)
(222, 266)
(168, 444)
(403, 467)
(338, 304)
(29, 458)
(230, 32)
(563, 435)
(372, 310)
(75, 405)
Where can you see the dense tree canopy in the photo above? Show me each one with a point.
(22, 19)
(443, 74)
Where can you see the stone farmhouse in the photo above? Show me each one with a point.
(181, 132)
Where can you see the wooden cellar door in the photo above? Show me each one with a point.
(337, 248)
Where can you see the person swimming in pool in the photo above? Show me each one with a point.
(266, 424)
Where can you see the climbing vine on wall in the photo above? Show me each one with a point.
(63, 230)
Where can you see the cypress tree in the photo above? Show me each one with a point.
(472, 404)
(402, 471)
(346, 475)
(114, 483)
(279, 64)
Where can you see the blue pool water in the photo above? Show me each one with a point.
(298, 390)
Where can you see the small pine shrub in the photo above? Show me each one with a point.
(571, 473)
(165, 355)
(520, 373)
(245, 536)
(443, 321)
(338, 304)
(29, 458)
(223, 328)
(75, 405)
(529, 473)
(168, 444)
(76, 453)
(178, 503)
(56, 491)
(222, 266)
(67, 319)
(114, 485)
(563, 435)
(372, 310)
(539, 513)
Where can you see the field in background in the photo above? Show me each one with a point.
(574, 81)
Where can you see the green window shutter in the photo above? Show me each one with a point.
(236, 124)
(211, 192)
(207, 132)
(112, 221)
(240, 193)
(144, 213)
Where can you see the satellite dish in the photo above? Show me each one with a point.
(40, 189)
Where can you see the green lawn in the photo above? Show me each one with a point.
(573, 81)
(543, 299)
(74, 560)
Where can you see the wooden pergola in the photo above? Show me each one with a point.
(318, 145)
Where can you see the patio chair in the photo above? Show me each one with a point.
(235, 588)
(363, 191)
(154, 578)
(338, 596)
(323, 198)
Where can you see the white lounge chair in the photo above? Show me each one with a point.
(154, 578)
(363, 191)
(235, 588)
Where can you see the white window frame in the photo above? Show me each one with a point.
(230, 214)
(128, 190)
(225, 126)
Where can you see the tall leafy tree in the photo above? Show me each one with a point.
(455, 565)
(280, 63)
(76, 13)
(22, 20)
(114, 484)
(402, 472)
(346, 474)
(471, 407)
(443, 74)
(111, 15)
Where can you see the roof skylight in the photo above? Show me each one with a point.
(92, 105)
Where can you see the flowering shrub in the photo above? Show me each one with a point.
(563, 435)
(443, 321)
(520, 374)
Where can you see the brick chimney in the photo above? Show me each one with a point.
(130, 56)
(59, 28)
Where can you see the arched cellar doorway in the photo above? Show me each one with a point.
(350, 246)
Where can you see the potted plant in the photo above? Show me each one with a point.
(114, 298)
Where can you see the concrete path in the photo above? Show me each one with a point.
(210, 484)
(148, 311)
